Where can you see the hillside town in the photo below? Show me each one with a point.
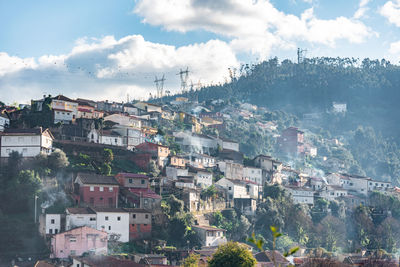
(134, 166)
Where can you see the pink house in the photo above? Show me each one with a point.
(77, 241)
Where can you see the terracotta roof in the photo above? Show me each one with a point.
(132, 175)
(63, 98)
(104, 209)
(144, 192)
(33, 131)
(80, 211)
(107, 261)
(208, 228)
(267, 256)
(137, 210)
(92, 178)
(44, 264)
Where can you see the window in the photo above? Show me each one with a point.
(133, 225)
(72, 239)
(73, 252)
(130, 180)
(109, 227)
(106, 218)
(145, 224)
(56, 231)
(101, 199)
(92, 219)
(101, 189)
(50, 231)
(118, 218)
(146, 216)
(52, 221)
(110, 189)
(229, 188)
(92, 188)
(110, 201)
(142, 181)
(134, 216)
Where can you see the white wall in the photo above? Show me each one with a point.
(204, 179)
(252, 174)
(63, 116)
(111, 140)
(3, 122)
(53, 223)
(77, 220)
(28, 146)
(113, 225)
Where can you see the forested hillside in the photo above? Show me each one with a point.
(370, 88)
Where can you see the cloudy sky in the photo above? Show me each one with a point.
(103, 49)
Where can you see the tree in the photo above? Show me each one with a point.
(57, 160)
(191, 261)
(154, 170)
(108, 155)
(232, 254)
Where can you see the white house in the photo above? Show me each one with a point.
(333, 179)
(4, 122)
(198, 143)
(235, 188)
(27, 142)
(114, 221)
(379, 185)
(231, 169)
(112, 138)
(77, 217)
(50, 224)
(202, 161)
(225, 143)
(203, 178)
(253, 174)
(210, 236)
(301, 195)
(332, 192)
(64, 109)
(131, 136)
(124, 120)
(355, 183)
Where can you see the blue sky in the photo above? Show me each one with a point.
(108, 49)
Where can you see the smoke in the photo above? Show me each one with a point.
(53, 197)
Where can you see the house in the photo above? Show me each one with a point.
(317, 183)
(195, 143)
(191, 199)
(78, 241)
(143, 198)
(202, 177)
(85, 110)
(114, 221)
(231, 169)
(148, 107)
(254, 190)
(332, 192)
(131, 137)
(49, 224)
(301, 195)
(356, 183)
(210, 236)
(159, 152)
(202, 160)
(133, 180)
(4, 122)
(189, 119)
(139, 223)
(234, 188)
(271, 168)
(96, 190)
(177, 161)
(374, 185)
(65, 110)
(310, 150)
(112, 138)
(27, 142)
(110, 106)
(78, 217)
(232, 155)
(291, 141)
(270, 258)
(103, 261)
(130, 109)
(247, 206)
(228, 144)
(185, 182)
(130, 121)
(253, 174)
(83, 130)
(173, 172)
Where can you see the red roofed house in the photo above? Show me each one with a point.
(158, 152)
(96, 190)
(143, 198)
(85, 110)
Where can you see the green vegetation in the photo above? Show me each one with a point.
(232, 254)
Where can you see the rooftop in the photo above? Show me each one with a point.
(132, 175)
(208, 228)
(91, 178)
(80, 211)
(104, 209)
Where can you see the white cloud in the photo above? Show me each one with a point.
(362, 9)
(253, 26)
(391, 10)
(109, 68)
(395, 48)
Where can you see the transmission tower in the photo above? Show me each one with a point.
(184, 74)
(160, 86)
(301, 55)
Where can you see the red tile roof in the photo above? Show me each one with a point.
(144, 192)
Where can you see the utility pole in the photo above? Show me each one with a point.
(36, 197)
(160, 85)
(301, 55)
(184, 75)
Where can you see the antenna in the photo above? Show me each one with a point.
(184, 74)
(160, 85)
(301, 55)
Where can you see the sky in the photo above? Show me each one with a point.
(104, 49)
